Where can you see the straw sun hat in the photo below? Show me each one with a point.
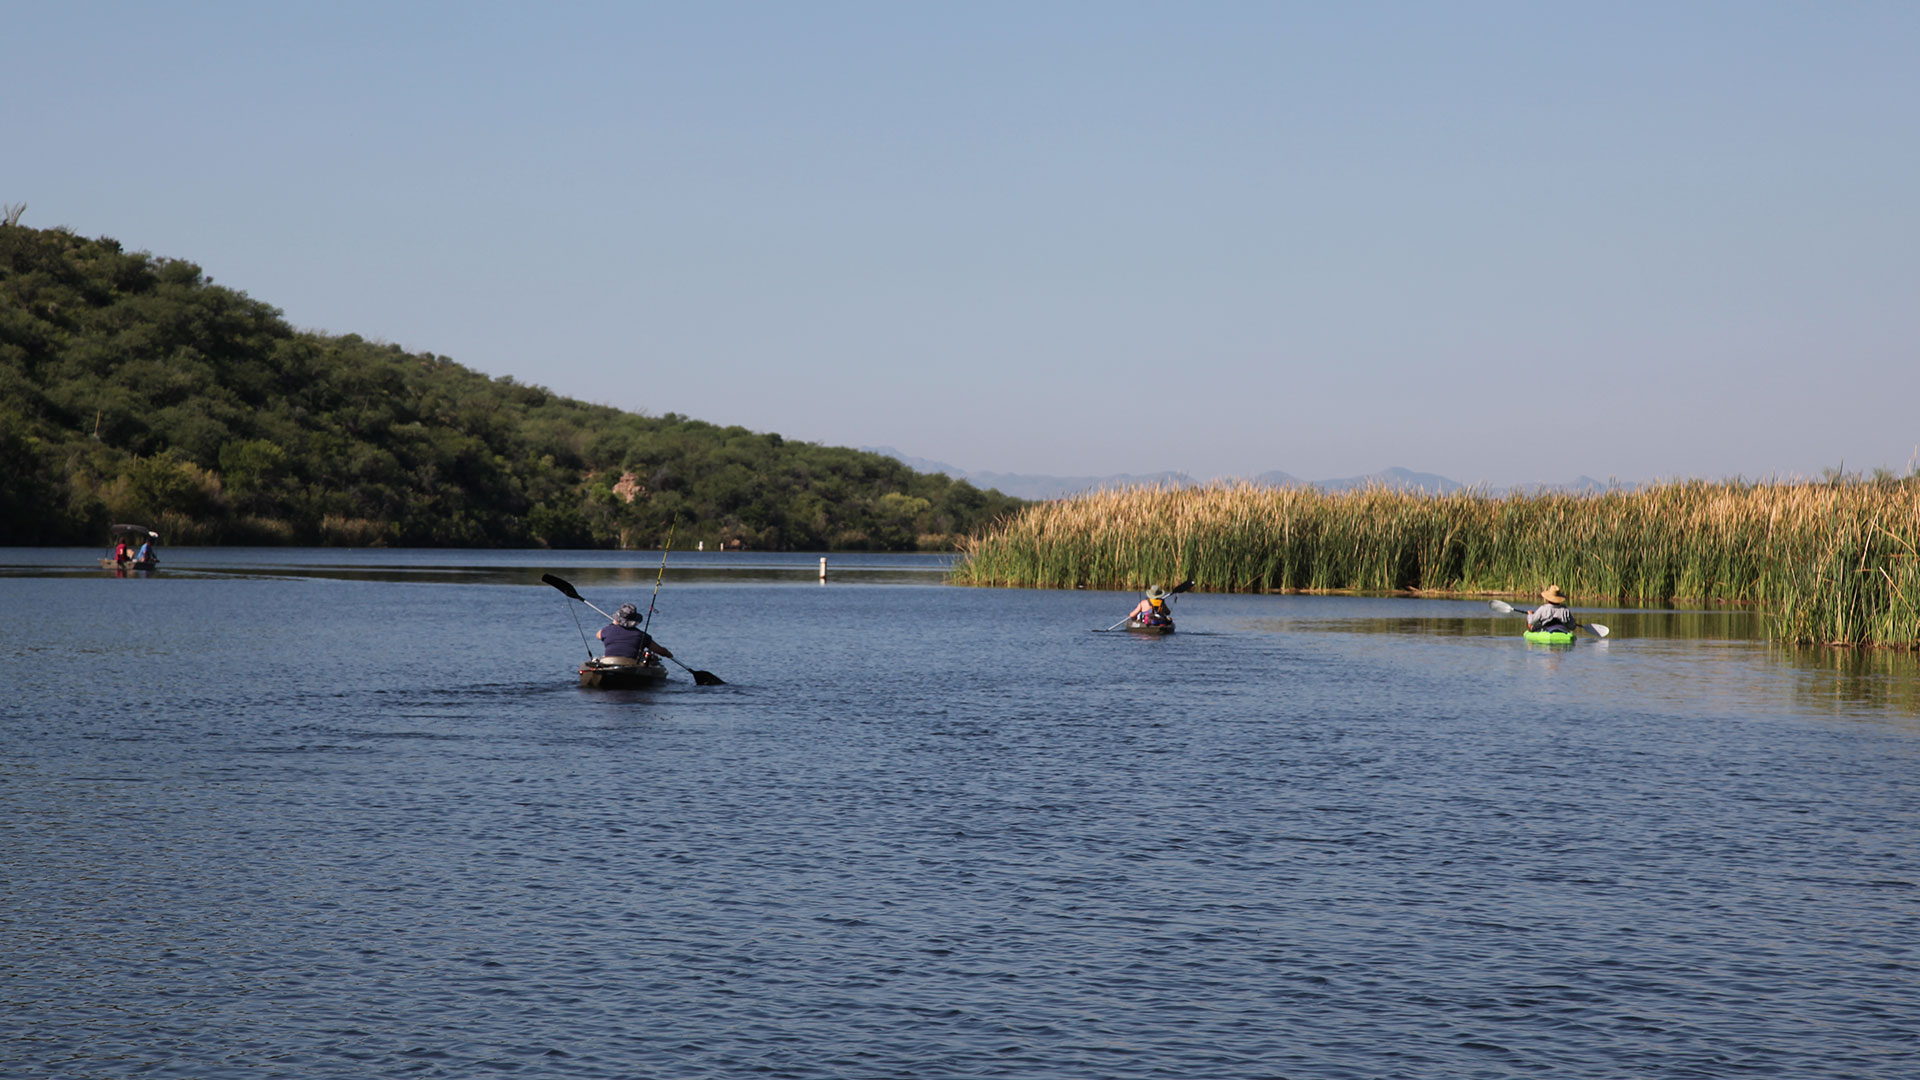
(1552, 595)
(1155, 592)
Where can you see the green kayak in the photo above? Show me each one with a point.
(1550, 637)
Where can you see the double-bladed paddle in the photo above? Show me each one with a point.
(1175, 591)
(700, 678)
(1505, 608)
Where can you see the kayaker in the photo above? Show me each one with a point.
(1152, 611)
(1552, 613)
(625, 641)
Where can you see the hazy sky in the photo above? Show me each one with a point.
(1505, 242)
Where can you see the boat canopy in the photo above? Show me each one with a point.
(122, 530)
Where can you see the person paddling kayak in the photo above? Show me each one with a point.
(1152, 611)
(625, 641)
(1553, 613)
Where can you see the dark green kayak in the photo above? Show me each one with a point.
(597, 676)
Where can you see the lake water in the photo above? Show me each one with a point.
(323, 813)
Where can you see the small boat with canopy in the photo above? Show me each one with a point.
(127, 540)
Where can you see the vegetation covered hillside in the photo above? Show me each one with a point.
(133, 389)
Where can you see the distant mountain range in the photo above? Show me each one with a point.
(1037, 486)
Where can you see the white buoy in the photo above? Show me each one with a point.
(823, 568)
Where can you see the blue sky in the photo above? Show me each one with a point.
(1505, 242)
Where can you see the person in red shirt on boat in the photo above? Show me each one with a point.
(122, 552)
(1152, 611)
(627, 644)
(1553, 612)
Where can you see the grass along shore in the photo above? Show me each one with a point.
(1829, 562)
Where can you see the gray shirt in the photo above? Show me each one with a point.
(1550, 613)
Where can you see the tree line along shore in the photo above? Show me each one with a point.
(1831, 562)
(133, 389)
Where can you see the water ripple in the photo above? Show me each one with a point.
(890, 851)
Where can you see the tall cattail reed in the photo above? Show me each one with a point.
(1835, 562)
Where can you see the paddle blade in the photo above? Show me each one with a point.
(1597, 629)
(1182, 587)
(707, 678)
(1501, 606)
(563, 585)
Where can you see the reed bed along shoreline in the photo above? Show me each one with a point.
(1833, 563)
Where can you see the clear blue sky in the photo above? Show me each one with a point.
(1505, 242)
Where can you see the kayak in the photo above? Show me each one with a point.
(597, 676)
(1139, 627)
(1551, 637)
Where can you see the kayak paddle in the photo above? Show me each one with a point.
(700, 678)
(1505, 608)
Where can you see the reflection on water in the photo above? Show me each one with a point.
(1721, 654)
(491, 567)
(1724, 624)
(1862, 680)
(1475, 621)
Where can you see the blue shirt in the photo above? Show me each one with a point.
(624, 640)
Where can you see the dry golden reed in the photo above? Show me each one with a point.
(1835, 562)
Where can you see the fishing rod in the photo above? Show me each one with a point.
(700, 678)
(661, 576)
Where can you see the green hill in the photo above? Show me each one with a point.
(134, 389)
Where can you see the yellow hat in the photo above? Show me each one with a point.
(1552, 595)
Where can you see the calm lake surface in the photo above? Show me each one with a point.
(323, 813)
